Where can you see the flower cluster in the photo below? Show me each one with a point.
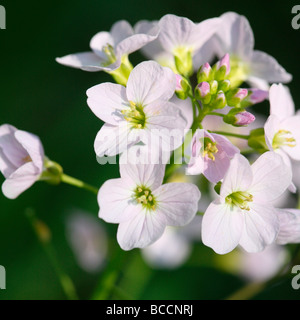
(154, 119)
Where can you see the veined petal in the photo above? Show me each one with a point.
(6, 167)
(140, 231)
(289, 222)
(260, 228)
(149, 82)
(115, 200)
(32, 144)
(20, 180)
(238, 177)
(178, 202)
(291, 124)
(87, 61)
(266, 67)
(222, 227)
(106, 100)
(271, 177)
(281, 102)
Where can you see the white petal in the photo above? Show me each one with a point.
(19, 181)
(272, 126)
(186, 109)
(100, 40)
(261, 227)
(235, 36)
(87, 61)
(206, 53)
(266, 67)
(11, 148)
(112, 140)
(106, 100)
(258, 83)
(149, 82)
(140, 231)
(120, 31)
(178, 202)
(115, 200)
(32, 144)
(222, 227)
(271, 177)
(289, 221)
(238, 177)
(281, 102)
(6, 167)
(292, 124)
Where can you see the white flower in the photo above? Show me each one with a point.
(143, 207)
(242, 214)
(179, 38)
(137, 112)
(21, 160)
(282, 131)
(109, 48)
(235, 37)
(289, 231)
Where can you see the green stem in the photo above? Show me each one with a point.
(230, 134)
(43, 235)
(215, 114)
(78, 183)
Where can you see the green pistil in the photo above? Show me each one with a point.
(283, 138)
(239, 199)
(144, 196)
(209, 148)
(110, 54)
(239, 71)
(135, 115)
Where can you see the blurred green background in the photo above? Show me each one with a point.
(40, 96)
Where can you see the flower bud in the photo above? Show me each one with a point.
(202, 92)
(219, 101)
(182, 87)
(222, 68)
(254, 96)
(236, 96)
(239, 118)
(224, 85)
(184, 62)
(213, 86)
(204, 73)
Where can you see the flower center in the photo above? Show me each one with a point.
(240, 199)
(209, 148)
(135, 115)
(239, 71)
(110, 54)
(144, 196)
(283, 138)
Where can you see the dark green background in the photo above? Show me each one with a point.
(43, 97)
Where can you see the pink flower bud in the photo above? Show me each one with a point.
(244, 118)
(203, 89)
(257, 95)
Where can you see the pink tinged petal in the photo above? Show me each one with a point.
(142, 230)
(257, 95)
(112, 140)
(260, 229)
(87, 61)
(20, 180)
(13, 151)
(149, 82)
(226, 145)
(215, 171)
(225, 61)
(271, 177)
(289, 222)
(177, 202)
(32, 144)
(272, 126)
(148, 175)
(235, 36)
(244, 118)
(115, 200)
(238, 177)
(6, 167)
(222, 227)
(292, 124)
(281, 102)
(107, 100)
(266, 67)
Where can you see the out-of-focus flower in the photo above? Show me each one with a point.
(289, 231)
(210, 154)
(88, 241)
(143, 207)
(243, 214)
(21, 160)
(134, 113)
(235, 37)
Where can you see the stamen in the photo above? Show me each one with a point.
(209, 148)
(240, 199)
(143, 196)
(135, 115)
(283, 138)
